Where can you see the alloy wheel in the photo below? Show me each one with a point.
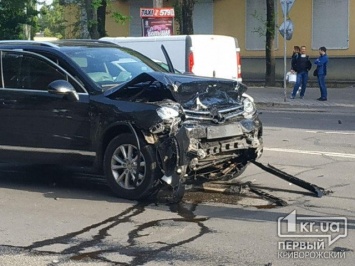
(124, 166)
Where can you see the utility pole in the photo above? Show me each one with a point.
(286, 30)
(285, 52)
(158, 3)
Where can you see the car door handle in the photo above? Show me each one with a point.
(60, 111)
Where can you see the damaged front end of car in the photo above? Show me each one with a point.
(207, 128)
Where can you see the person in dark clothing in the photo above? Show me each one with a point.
(321, 63)
(295, 55)
(301, 65)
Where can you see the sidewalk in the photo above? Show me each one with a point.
(275, 97)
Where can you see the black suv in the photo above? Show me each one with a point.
(88, 102)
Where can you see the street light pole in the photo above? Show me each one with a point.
(285, 50)
(286, 30)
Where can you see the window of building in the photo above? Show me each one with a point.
(256, 25)
(330, 24)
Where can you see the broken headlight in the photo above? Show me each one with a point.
(171, 119)
(249, 106)
(167, 113)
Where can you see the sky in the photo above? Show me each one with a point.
(48, 2)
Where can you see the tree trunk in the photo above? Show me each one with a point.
(83, 21)
(187, 7)
(158, 3)
(92, 19)
(269, 45)
(101, 19)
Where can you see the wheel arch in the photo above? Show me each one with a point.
(112, 132)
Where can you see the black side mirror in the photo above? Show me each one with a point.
(63, 87)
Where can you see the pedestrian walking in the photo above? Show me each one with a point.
(301, 65)
(321, 72)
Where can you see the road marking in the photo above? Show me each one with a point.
(322, 153)
(331, 132)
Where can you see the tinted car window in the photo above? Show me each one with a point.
(73, 81)
(24, 71)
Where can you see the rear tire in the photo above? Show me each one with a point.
(120, 167)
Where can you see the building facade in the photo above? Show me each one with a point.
(316, 23)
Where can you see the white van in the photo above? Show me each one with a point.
(203, 55)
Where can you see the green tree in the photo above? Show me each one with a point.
(267, 29)
(92, 17)
(18, 19)
(51, 20)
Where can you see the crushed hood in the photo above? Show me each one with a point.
(192, 92)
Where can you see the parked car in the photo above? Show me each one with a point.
(206, 55)
(83, 102)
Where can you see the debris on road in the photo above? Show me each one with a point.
(241, 189)
(318, 191)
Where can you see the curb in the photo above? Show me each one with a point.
(303, 108)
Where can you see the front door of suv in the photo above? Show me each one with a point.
(38, 126)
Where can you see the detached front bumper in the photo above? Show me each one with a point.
(197, 146)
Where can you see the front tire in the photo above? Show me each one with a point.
(120, 167)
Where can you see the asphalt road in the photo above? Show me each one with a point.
(62, 217)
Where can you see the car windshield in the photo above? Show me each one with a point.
(110, 66)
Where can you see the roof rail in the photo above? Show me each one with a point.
(21, 42)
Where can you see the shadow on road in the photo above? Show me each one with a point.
(56, 182)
